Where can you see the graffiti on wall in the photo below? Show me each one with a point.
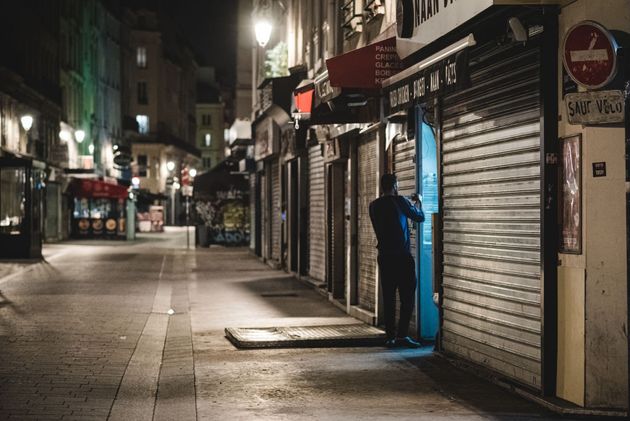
(226, 217)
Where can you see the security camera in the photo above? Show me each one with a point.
(519, 33)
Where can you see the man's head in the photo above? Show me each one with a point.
(389, 184)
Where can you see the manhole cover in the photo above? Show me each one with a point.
(306, 336)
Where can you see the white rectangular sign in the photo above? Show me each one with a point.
(599, 107)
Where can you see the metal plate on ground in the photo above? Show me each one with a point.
(306, 336)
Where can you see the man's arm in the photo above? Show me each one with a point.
(412, 212)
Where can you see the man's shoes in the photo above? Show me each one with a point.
(408, 342)
(390, 343)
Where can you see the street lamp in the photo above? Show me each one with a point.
(27, 122)
(263, 31)
(170, 165)
(65, 135)
(192, 173)
(79, 135)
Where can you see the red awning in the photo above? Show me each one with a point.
(366, 67)
(97, 189)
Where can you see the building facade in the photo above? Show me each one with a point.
(210, 118)
(29, 120)
(472, 105)
(160, 95)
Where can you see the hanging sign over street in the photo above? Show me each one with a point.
(590, 54)
(601, 107)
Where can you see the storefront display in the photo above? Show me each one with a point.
(22, 193)
(99, 209)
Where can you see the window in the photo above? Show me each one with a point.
(142, 93)
(206, 120)
(143, 123)
(13, 193)
(207, 162)
(207, 139)
(141, 57)
(142, 165)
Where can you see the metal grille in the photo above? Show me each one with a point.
(316, 221)
(366, 241)
(264, 217)
(276, 217)
(252, 211)
(404, 166)
(491, 211)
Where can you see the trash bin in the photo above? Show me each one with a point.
(202, 235)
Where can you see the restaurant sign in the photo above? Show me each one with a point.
(445, 76)
(599, 107)
(266, 142)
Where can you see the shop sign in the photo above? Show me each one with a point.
(590, 54)
(590, 108)
(335, 150)
(122, 159)
(324, 90)
(445, 76)
(266, 139)
(424, 21)
(59, 154)
(366, 67)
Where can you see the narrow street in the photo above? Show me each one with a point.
(87, 335)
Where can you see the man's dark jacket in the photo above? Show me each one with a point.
(389, 215)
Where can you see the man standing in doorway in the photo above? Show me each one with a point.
(389, 214)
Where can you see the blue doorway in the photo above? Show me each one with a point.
(426, 176)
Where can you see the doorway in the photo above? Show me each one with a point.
(427, 189)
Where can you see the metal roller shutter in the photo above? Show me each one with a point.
(316, 221)
(276, 217)
(366, 240)
(491, 209)
(264, 216)
(404, 166)
(252, 211)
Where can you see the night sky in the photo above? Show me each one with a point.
(210, 28)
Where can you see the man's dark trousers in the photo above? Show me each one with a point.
(397, 271)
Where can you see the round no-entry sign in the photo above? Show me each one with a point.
(590, 54)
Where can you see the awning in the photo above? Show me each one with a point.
(365, 67)
(318, 102)
(96, 189)
(440, 73)
(303, 98)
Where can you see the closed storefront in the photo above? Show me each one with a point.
(316, 208)
(491, 209)
(265, 226)
(276, 211)
(367, 191)
(480, 125)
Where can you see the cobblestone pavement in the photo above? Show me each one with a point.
(89, 335)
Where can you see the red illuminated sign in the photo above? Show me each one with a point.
(590, 54)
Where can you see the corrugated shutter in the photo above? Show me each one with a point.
(404, 166)
(264, 217)
(366, 241)
(316, 221)
(276, 217)
(252, 211)
(491, 207)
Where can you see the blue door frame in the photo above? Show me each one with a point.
(427, 189)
